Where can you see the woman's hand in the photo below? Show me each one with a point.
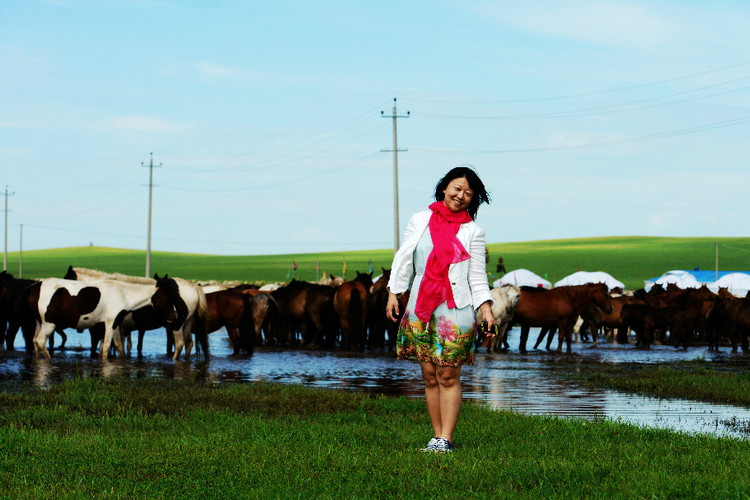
(391, 308)
(486, 310)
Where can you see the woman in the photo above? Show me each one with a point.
(442, 262)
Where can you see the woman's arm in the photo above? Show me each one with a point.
(402, 267)
(477, 274)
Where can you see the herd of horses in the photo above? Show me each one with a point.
(668, 316)
(347, 315)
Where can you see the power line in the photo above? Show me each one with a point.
(610, 108)
(592, 93)
(613, 142)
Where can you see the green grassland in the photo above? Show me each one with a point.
(111, 438)
(629, 259)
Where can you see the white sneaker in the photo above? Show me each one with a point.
(431, 446)
(443, 446)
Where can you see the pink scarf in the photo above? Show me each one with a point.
(435, 287)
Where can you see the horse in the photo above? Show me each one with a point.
(62, 303)
(17, 314)
(558, 307)
(504, 303)
(730, 316)
(192, 309)
(232, 310)
(350, 303)
(265, 314)
(307, 306)
(589, 320)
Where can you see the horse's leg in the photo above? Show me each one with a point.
(96, 333)
(562, 329)
(3, 329)
(111, 335)
(179, 342)
(550, 336)
(170, 342)
(236, 337)
(51, 341)
(141, 334)
(10, 335)
(42, 334)
(539, 339)
(187, 333)
(594, 331)
(119, 342)
(524, 337)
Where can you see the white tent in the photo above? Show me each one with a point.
(585, 277)
(522, 277)
(737, 283)
(682, 279)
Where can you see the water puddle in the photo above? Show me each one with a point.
(525, 383)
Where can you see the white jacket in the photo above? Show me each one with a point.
(468, 278)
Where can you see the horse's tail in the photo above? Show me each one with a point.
(356, 324)
(270, 325)
(200, 321)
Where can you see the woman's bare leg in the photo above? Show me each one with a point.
(432, 396)
(449, 387)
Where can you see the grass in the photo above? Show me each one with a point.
(631, 260)
(691, 380)
(155, 439)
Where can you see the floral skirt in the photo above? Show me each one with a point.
(448, 339)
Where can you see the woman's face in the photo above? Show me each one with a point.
(458, 194)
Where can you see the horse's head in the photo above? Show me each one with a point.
(70, 274)
(600, 296)
(167, 299)
(364, 278)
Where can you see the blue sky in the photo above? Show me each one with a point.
(582, 118)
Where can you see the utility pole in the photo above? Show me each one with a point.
(5, 253)
(20, 255)
(396, 232)
(150, 189)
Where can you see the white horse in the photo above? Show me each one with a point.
(195, 308)
(64, 303)
(504, 302)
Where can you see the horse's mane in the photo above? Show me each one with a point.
(84, 273)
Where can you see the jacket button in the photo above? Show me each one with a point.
(453, 283)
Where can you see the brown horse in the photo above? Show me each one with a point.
(264, 312)
(730, 317)
(307, 308)
(559, 307)
(350, 303)
(233, 311)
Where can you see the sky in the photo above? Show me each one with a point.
(271, 132)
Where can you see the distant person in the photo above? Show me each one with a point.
(442, 262)
(500, 266)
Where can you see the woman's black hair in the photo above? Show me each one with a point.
(475, 183)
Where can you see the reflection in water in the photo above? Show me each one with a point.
(520, 382)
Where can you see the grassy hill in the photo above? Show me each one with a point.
(629, 259)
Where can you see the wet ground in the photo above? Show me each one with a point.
(526, 383)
